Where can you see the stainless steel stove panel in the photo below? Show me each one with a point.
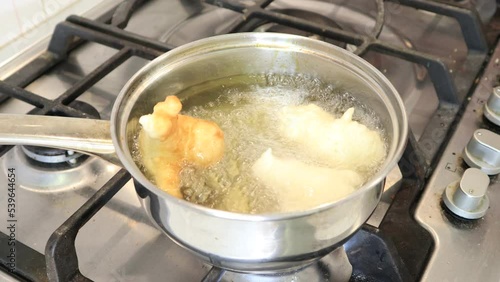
(46, 197)
(138, 252)
(464, 250)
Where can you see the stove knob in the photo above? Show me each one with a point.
(483, 151)
(492, 107)
(467, 198)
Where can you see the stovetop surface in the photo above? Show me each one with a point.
(463, 244)
(121, 244)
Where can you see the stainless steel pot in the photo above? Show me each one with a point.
(234, 241)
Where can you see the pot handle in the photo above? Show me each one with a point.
(88, 136)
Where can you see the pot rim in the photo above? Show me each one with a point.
(258, 40)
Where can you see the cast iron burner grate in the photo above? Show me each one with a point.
(409, 246)
(264, 25)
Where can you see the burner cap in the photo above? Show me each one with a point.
(262, 25)
(56, 156)
(50, 155)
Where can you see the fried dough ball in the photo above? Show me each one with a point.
(170, 141)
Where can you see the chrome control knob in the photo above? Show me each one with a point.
(483, 151)
(492, 107)
(467, 198)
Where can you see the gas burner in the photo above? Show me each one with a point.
(54, 178)
(262, 25)
(50, 156)
(333, 267)
(364, 257)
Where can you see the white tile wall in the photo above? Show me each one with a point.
(9, 26)
(21, 16)
(29, 14)
(52, 7)
(23, 23)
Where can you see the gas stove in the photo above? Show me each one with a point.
(77, 217)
